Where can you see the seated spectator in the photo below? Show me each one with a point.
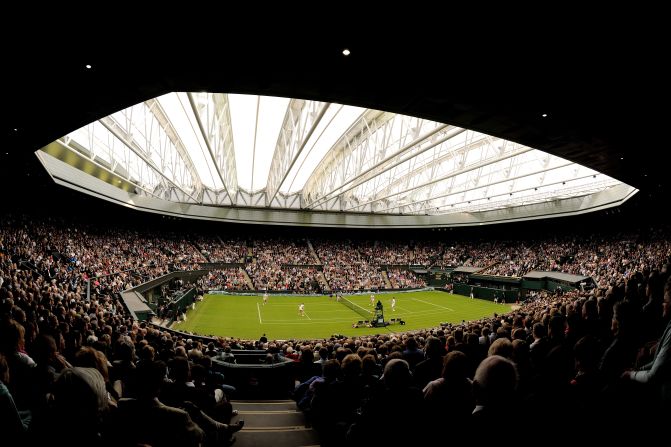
(227, 355)
(621, 354)
(494, 388)
(431, 367)
(396, 396)
(15, 423)
(657, 374)
(587, 385)
(79, 404)
(146, 420)
(450, 396)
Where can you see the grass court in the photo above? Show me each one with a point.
(248, 318)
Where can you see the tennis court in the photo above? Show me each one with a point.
(248, 318)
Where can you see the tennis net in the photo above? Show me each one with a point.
(367, 314)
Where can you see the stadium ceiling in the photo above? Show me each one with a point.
(249, 151)
(106, 126)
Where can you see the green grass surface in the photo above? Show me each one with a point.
(247, 317)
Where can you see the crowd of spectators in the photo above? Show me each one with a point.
(404, 279)
(233, 250)
(283, 252)
(298, 279)
(74, 370)
(290, 265)
(233, 278)
(386, 252)
(345, 267)
(583, 360)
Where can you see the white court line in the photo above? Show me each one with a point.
(276, 304)
(349, 320)
(314, 320)
(420, 313)
(328, 310)
(426, 302)
(294, 323)
(424, 313)
(259, 310)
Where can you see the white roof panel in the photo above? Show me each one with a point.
(331, 157)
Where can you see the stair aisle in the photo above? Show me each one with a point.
(248, 280)
(385, 278)
(324, 283)
(272, 422)
(312, 251)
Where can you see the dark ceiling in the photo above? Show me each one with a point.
(604, 97)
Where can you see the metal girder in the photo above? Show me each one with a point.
(71, 144)
(126, 138)
(513, 198)
(413, 135)
(432, 166)
(257, 199)
(383, 163)
(428, 202)
(155, 108)
(300, 121)
(452, 174)
(443, 132)
(333, 170)
(434, 163)
(213, 115)
(148, 136)
(84, 141)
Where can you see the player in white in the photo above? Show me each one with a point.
(372, 299)
(301, 310)
(393, 304)
(265, 297)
